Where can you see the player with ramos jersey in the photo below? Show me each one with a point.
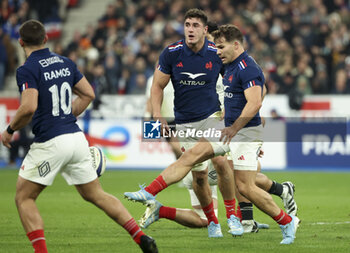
(46, 82)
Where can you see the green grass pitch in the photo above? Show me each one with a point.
(73, 225)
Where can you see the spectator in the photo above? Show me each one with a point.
(9, 55)
(11, 27)
(3, 61)
(5, 11)
(112, 67)
(140, 87)
(288, 38)
(287, 84)
(342, 83)
(99, 83)
(303, 85)
(320, 82)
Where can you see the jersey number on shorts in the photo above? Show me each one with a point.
(61, 99)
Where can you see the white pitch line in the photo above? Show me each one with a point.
(330, 223)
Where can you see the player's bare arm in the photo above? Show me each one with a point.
(254, 102)
(85, 95)
(24, 114)
(160, 81)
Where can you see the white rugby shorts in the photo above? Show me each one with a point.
(244, 148)
(187, 142)
(68, 154)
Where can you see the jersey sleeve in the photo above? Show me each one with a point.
(250, 77)
(164, 62)
(25, 79)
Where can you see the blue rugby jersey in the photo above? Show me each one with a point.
(54, 77)
(194, 77)
(240, 74)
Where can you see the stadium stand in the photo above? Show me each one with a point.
(13, 13)
(301, 46)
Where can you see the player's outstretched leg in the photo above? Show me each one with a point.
(186, 217)
(112, 206)
(289, 230)
(140, 196)
(173, 173)
(151, 214)
(288, 198)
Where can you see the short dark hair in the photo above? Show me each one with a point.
(212, 26)
(32, 32)
(197, 13)
(229, 32)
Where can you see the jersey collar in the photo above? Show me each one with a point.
(239, 58)
(201, 52)
(40, 52)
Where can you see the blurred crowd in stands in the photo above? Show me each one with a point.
(13, 13)
(302, 45)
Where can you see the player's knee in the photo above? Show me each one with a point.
(96, 197)
(201, 223)
(20, 197)
(261, 180)
(189, 157)
(18, 200)
(243, 188)
(220, 163)
(204, 222)
(89, 197)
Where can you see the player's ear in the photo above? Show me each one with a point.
(20, 41)
(206, 29)
(236, 44)
(45, 39)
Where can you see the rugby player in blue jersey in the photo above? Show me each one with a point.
(47, 82)
(242, 136)
(193, 67)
